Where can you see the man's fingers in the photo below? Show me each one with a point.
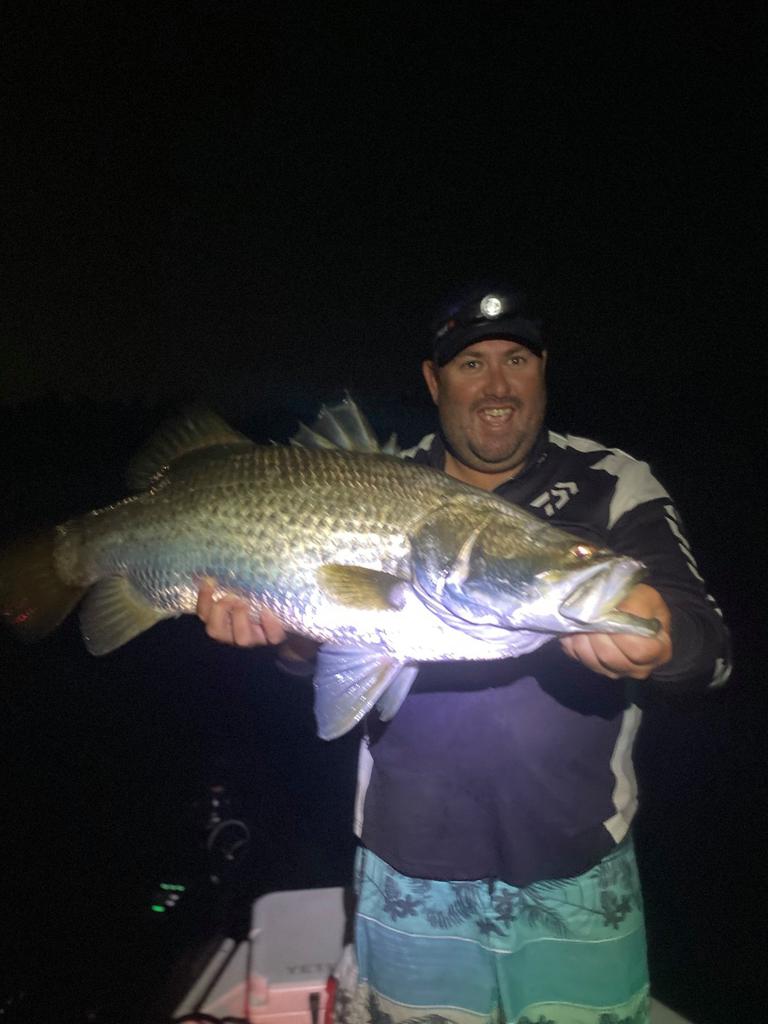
(205, 601)
(231, 620)
(245, 632)
(218, 624)
(581, 648)
(641, 650)
(272, 628)
(228, 620)
(622, 654)
(604, 654)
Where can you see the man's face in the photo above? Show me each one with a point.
(491, 398)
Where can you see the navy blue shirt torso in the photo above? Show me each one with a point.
(520, 769)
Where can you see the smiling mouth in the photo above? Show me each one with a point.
(496, 413)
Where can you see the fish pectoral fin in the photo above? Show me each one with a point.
(113, 613)
(355, 587)
(349, 681)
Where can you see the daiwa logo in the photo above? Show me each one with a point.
(555, 497)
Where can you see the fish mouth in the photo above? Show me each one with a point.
(594, 601)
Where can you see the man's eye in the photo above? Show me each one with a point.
(471, 364)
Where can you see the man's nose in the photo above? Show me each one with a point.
(497, 381)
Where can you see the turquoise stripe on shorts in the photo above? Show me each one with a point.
(570, 951)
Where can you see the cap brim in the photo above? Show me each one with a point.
(455, 341)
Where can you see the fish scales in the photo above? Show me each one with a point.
(260, 522)
(385, 562)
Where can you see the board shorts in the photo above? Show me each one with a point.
(569, 951)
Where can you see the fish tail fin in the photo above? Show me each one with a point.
(34, 600)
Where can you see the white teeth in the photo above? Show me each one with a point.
(495, 412)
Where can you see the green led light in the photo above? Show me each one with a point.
(157, 908)
(171, 887)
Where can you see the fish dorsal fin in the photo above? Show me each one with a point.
(356, 587)
(344, 427)
(193, 431)
(349, 681)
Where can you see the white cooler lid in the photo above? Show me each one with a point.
(297, 935)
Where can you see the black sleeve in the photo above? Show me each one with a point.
(653, 532)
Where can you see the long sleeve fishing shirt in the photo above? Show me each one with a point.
(521, 769)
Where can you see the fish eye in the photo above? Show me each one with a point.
(582, 551)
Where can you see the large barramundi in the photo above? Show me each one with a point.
(384, 562)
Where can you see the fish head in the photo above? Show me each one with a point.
(516, 572)
(584, 598)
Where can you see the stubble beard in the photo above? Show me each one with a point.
(485, 458)
(508, 458)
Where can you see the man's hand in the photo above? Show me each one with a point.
(619, 654)
(229, 620)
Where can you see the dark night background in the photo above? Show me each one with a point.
(255, 206)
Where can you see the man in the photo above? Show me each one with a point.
(496, 875)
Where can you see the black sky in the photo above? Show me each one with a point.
(235, 195)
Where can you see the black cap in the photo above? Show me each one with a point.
(482, 311)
